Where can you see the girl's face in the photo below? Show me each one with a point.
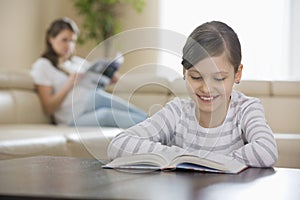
(64, 43)
(210, 83)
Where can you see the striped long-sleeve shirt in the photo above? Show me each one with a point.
(244, 134)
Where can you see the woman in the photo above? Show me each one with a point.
(57, 75)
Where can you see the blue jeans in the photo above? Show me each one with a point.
(103, 109)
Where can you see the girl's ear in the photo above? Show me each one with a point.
(183, 73)
(238, 74)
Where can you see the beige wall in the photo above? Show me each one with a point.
(23, 24)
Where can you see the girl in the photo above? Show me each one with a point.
(61, 93)
(216, 121)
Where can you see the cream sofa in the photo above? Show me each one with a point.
(26, 131)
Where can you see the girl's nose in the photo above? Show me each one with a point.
(205, 87)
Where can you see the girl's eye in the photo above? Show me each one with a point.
(196, 77)
(220, 79)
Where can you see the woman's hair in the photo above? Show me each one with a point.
(212, 39)
(55, 28)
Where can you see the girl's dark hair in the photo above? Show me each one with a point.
(55, 28)
(212, 39)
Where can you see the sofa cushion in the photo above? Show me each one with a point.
(286, 88)
(25, 140)
(19, 102)
(288, 150)
(16, 78)
(254, 88)
(30, 140)
(90, 142)
(21, 106)
(282, 107)
(283, 113)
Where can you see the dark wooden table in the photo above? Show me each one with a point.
(74, 178)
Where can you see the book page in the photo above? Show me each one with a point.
(197, 161)
(229, 162)
(138, 161)
(212, 163)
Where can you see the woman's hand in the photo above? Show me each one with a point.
(51, 101)
(74, 79)
(115, 77)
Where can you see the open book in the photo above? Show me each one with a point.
(96, 74)
(187, 162)
(101, 71)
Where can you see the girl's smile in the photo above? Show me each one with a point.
(207, 99)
